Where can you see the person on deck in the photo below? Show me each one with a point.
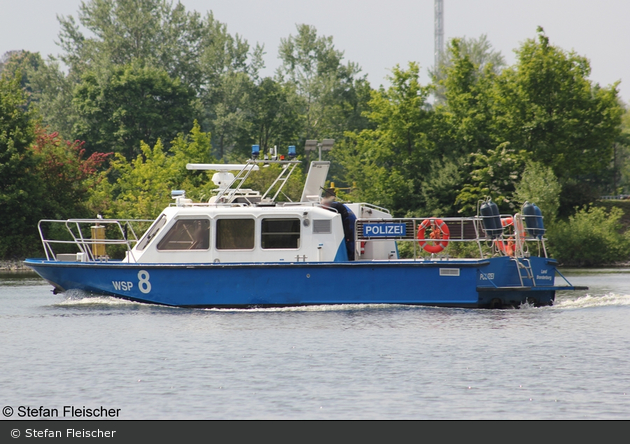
(347, 219)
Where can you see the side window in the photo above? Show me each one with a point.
(280, 233)
(235, 234)
(187, 234)
(150, 234)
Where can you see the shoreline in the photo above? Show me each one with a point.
(13, 265)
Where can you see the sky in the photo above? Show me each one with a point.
(379, 34)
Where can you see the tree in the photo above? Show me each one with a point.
(333, 94)
(465, 122)
(275, 116)
(543, 108)
(141, 188)
(118, 109)
(441, 186)
(227, 113)
(494, 174)
(63, 166)
(52, 92)
(20, 194)
(42, 176)
(478, 51)
(197, 51)
(620, 183)
(388, 163)
(547, 106)
(540, 186)
(189, 47)
(23, 61)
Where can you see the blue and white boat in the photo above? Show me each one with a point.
(246, 249)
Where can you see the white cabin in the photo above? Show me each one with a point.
(239, 226)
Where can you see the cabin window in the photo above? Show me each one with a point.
(280, 233)
(235, 234)
(187, 234)
(321, 226)
(151, 233)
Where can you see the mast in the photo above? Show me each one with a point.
(439, 31)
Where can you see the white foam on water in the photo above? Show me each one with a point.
(81, 298)
(610, 299)
(84, 298)
(310, 308)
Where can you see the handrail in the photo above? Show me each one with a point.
(565, 279)
(74, 227)
(474, 233)
(376, 207)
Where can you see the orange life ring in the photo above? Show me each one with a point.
(506, 247)
(509, 247)
(440, 231)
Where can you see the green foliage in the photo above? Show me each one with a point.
(547, 106)
(440, 188)
(157, 33)
(141, 188)
(52, 92)
(540, 186)
(62, 167)
(477, 51)
(136, 56)
(20, 193)
(144, 186)
(42, 176)
(25, 62)
(621, 160)
(493, 175)
(466, 120)
(128, 104)
(275, 119)
(332, 93)
(388, 163)
(590, 237)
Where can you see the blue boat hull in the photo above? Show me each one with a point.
(491, 283)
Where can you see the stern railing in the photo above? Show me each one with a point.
(435, 237)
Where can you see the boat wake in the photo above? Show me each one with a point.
(311, 308)
(74, 298)
(588, 301)
(79, 298)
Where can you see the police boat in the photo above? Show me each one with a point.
(246, 249)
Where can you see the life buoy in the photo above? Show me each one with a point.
(440, 231)
(508, 246)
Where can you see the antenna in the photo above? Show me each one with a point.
(326, 145)
(439, 31)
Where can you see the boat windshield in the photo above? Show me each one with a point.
(151, 232)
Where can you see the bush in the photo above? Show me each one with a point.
(590, 237)
(539, 185)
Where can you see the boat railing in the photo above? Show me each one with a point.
(374, 207)
(93, 238)
(444, 237)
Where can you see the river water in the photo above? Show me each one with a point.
(568, 361)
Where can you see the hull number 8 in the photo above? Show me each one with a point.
(143, 281)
